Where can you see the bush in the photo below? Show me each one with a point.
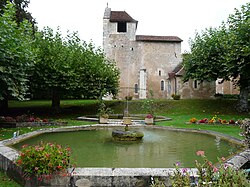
(176, 96)
(43, 160)
(210, 175)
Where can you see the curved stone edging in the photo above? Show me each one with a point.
(114, 176)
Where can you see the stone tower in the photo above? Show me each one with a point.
(144, 61)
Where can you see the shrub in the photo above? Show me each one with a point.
(176, 96)
(43, 160)
(128, 98)
(210, 175)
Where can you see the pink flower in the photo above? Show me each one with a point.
(200, 153)
(25, 145)
(31, 119)
(223, 158)
(215, 169)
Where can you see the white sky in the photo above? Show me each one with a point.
(180, 18)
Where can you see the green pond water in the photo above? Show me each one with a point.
(158, 149)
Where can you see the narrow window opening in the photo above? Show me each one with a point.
(136, 88)
(122, 27)
(162, 85)
(160, 73)
(196, 84)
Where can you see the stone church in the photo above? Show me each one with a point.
(147, 63)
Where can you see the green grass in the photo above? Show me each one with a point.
(5, 181)
(179, 110)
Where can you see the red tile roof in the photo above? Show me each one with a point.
(116, 16)
(158, 38)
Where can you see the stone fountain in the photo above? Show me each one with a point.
(126, 135)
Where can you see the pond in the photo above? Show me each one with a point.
(159, 148)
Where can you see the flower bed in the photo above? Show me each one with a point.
(27, 121)
(214, 120)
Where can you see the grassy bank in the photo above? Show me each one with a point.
(181, 111)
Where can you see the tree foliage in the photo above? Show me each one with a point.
(223, 52)
(20, 13)
(68, 67)
(16, 55)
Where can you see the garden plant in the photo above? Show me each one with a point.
(44, 160)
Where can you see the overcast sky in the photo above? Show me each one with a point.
(180, 18)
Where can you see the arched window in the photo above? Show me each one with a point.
(136, 88)
(162, 85)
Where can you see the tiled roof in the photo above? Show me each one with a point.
(158, 38)
(116, 16)
(177, 71)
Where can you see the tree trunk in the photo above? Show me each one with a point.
(4, 105)
(242, 105)
(55, 101)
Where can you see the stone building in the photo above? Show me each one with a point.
(227, 87)
(192, 89)
(149, 65)
(144, 61)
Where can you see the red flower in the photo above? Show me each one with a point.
(59, 167)
(149, 116)
(19, 162)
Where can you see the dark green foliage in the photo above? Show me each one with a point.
(16, 55)
(223, 52)
(68, 67)
(21, 13)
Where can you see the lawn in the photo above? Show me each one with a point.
(181, 111)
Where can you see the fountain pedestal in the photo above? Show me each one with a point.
(127, 120)
(149, 121)
(120, 135)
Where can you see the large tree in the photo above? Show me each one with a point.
(67, 66)
(16, 56)
(223, 52)
(21, 13)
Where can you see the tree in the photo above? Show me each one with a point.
(16, 56)
(223, 52)
(21, 12)
(68, 67)
(52, 72)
